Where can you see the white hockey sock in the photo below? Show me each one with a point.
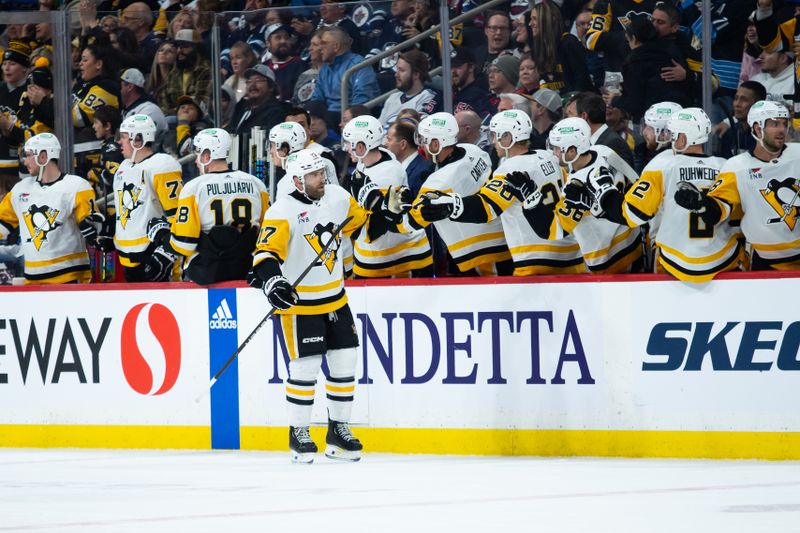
(300, 389)
(340, 386)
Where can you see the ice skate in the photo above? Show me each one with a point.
(302, 447)
(341, 442)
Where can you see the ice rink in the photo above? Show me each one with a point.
(176, 491)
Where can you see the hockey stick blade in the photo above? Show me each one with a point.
(335, 233)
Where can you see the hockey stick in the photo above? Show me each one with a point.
(303, 274)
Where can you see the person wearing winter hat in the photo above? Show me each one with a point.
(16, 60)
(503, 78)
(136, 101)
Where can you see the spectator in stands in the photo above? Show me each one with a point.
(513, 101)
(138, 18)
(163, 63)
(338, 58)
(192, 118)
(35, 114)
(528, 75)
(751, 58)
(16, 60)
(389, 33)
(127, 50)
(467, 94)
(101, 175)
(469, 130)
(619, 121)
(545, 112)
(498, 41)
(521, 32)
(591, 108)
(777, 73)
(412, 73)
(400, 141)
(329, 142)
(737, 138)
(181, 21)
(666, 19)
(135, 101)
(412, 114)
(642, 84)
(321, 133)
(192, 72)
(242, 58)
(286, 66)
(594, 62)
(251, 31)
(227, 104)
(304, 87)
(260, 106)
(559, 56)
(333, 15)
(97, 86)
(503, 78)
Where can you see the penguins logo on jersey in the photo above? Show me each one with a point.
(319, 239)
(784, 197)
(128, 201)
(40, 221)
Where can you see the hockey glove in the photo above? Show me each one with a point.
(600, 182)
(158, 267)
(90, 227)
(577, 196)
(398, 200)
(253, 280)
(357, 181)
(280, 293)
(158, 230)
(690, 197)
(437, 205)
(522, 187)
(369, 195)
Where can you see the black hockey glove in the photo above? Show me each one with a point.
(90, 227)
(357, 181)
(280, 293)
(690, 197)
(522, 187)
(600, 182)
(369, 196)
(577, 196)
(158, 267)
(158, 230)
(437, 205)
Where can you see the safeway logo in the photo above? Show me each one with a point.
(151, 349)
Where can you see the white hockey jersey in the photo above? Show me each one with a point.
(392, 253)
(143, 191)
(532, 255)
(230, 198)
(607, 248)
(470, 245)
(48, 216)
(290, 234)
(768, 194)
(687, 248)
(424, 102)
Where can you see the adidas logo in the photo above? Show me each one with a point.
(222, 317)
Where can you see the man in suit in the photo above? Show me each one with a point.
(591, 108)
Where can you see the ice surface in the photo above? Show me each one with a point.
(183, 491)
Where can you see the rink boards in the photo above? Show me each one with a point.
(636, 366)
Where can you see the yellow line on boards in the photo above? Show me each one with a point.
(92, 436)
(532, 442)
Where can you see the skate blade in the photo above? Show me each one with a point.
(339, 454)
(303, 458)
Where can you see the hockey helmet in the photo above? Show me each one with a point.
(568, 133)
(364, 129)
(217, 141)
(139, 125)
(439, 126)
(43, 142)
(303, 162)
(764, 110)
(514, 122)
(289, 133)
(657, 117)
(692, 122)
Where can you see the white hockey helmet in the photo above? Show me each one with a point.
(516, 123)
(692, 122)
(657, 117)
(364, 129)
(571, 132)
(43, 142)
(439, 126)
(290, 133)
(139, 125)
(217, 141)
(764, 110)
(303, 162)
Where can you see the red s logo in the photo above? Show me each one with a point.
(161, 339)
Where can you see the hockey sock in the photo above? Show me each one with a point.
(300, 389)
(340, 386)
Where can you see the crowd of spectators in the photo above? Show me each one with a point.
(604, 61)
